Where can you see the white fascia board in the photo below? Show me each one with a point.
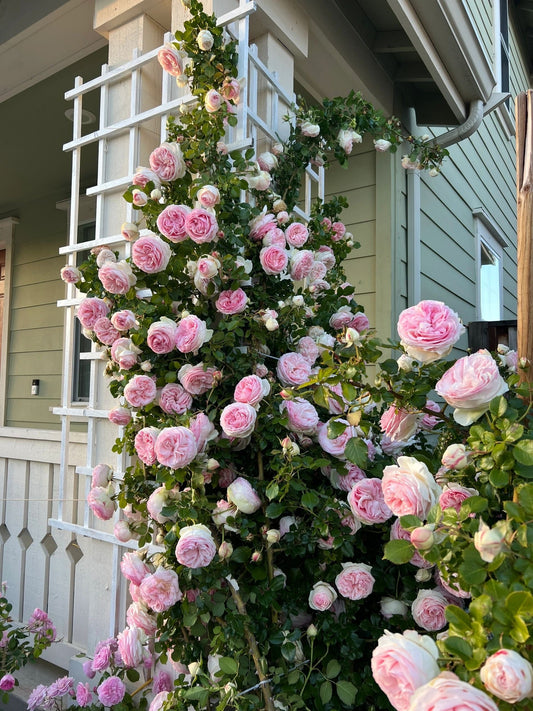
(51, 44)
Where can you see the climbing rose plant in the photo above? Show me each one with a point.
(308, 538)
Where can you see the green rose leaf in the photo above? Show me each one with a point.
(398, 551)
(229, 666)
(346, 692)
(498, 406)
(457, 617)
(272, 490)
(520, 603)
(333, 669)
(326, 692)
(356, 452)
(309, 499)
(525, 498)
(459, 647)
(523, 452)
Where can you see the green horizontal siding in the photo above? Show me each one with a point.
(481, 12)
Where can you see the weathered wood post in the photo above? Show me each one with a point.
(524, 187)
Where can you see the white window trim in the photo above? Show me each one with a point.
(7, 229)
(486, 230)
(502, 112)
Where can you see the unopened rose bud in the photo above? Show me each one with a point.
(155, 194)
(349, 243)
(129, 231)
(290, 448)
(194, 668)
(272, 536)
(352, 337)
(146, 366)
(286, 395)
(405, 363)
(390, 606)
(433, 172)
(422, 538)
(489, 542)
(298, 300)
(212, 464)
(523, 363)
(311, 632)
(225, 550)
(423, 575)
(256, 556)
(279, 205)
(502, 348)
(455, 457)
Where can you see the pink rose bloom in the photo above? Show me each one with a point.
(145, 444)
(337, 445)
(367, 503)
(355, 581)
(428, 610)
(139, 197)
(251, 389)
(339, 229)
(451, 590)
(90, 310)
(83, 695)
(158, 499)
(429, 330)
(341, 318)
(238, 419)
(398, 424)
(322, 597)
(133, 568)
(401, 663)
(7, 682)
(159, 699)
(208, 266)
(213, 101)
(122, 531)
(130, 645)
(447, 692)
(101, 475)
(345, 482)
(171, 222)
(273, 259)
(140, 391)
(293, 369)
(470, 385)
(489, 542)
(101, 503)
(171, 59)
(116, 277)
(201, 226)
(137, 615)
(275, 238)
(301, 264)
(308, 349)
(195, 548)
(142, 177)
(226, 476)
(203, 430)
(70, 275)
(454, 494)
(191, 334)
(196, 379)
(336, 405)
(119, 416)
(105, 332)
(309, 129)
(397, 533)
(360, 322)
(296, 234)
(174, 399)
(242, 495)
(409, 488)
(232, 301)
(175, 447)
(167, 162)
(150, 254)
(318, 272)
(325, 254)
(161, 337)
(302, 416)
(160, 590)
(428, 422)
(455, 457)
(231, 90)
(208, 196)
(111, 691)
(124, 320)
(508, 676)
(261, 225)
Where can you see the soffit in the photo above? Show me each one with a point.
(523, 12)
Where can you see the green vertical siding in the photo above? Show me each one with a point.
(481, 12)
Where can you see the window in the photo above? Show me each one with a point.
(502, 62)
(489, 263)
(81, 375)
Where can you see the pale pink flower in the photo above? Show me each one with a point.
(296, 234)
(195, 547)
(241, 493)
(203, 430)
(232, 301)
(201, 226)
(470, 385)
(302, 415)
(454, 494)
(167, 162)
(122, 531)
(309, 129)
(159, 700)
(101, 503)
(429, 330)
(174, 399)
(428, 421)
(119, 416)
(213, 101)
(346, 138)
(301, 264)
(137, 615)
(130, 645)
(196, 379)
(293, 369)
(489, 542)
(231, 89)
(161, 336)
(101, 475)
(150, 254)
(261, 225)
(399, 424)
(360, 322)
(273, 259)
(322, 596)
(401, 663)
(175, 447)
(428, 610)
(90, 310)
(70, 274)
(409, 488)
(251, 389)
(141, 177)
(367, 503)
(336, 445)
(133, 568)
(355, 581)
(138, 197)
(446, 692)
(171, 222)
(105, 332)
(308, 349)
(455, 457)
(111, 691)
(160, 590)
(238, 419)
(208, 267)
(325, 254)
(140, 391)
(116, 277)
(191, 334)
(171, 59)
(124, 320)
(507, 675)
(208, 196)
(156, 502)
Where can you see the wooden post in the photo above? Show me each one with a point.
(524, 186)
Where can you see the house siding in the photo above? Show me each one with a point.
(481, 13)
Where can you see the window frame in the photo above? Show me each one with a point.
(501, 45)
(488, 233)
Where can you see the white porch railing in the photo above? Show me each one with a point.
(259, 114)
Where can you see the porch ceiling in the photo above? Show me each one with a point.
(524, 16)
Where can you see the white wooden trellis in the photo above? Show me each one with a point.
(251, 130)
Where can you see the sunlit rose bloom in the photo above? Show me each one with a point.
(150, 254)
(124, 320)
(174, 399)
(145, 444)
(507, 675)
(302, 415)
(429, 330)
(489, 542)
(355, 581)
(301, 264)
(195, 379)
(90, 310)
(208, 196)
(293, 369)
(205, 40)
(137, 615)
(161, 336)
(122, 531)
(455, 457)
(171, 222)
(70, 274)
(101, 475)
(273, 259)
(119, 416)
(160, 590)
(140, 391)
(175, 447)
(231, 89)
(241, 493)
(232, 301)
(321, 597)
(141, 177)
(167, 162)
(238, 419)
(346, 138)
(401, 663)
(105, 332)
(454, 494)
(116, 277)
(399, 424)
(195, 547)
(158, 499)
(410, 488)
(139, 198)
(171, 59)
(428, 610)
(133, 568)
(251, 389)
(201, 226)
(101, 503)
(367, 503)
(296, 234)
(446, 692)
(213, 101)
(309, 129)
(335, 445)
(191, 334)
(130, 646)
